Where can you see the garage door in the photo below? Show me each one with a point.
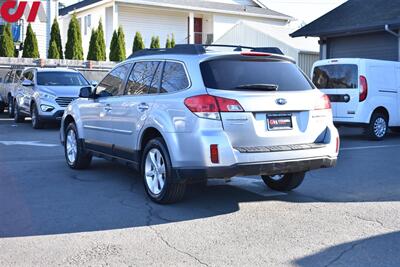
(152, 22)
(374, 46)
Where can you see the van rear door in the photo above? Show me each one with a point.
(341, 83)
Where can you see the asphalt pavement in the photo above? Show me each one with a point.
(52, 215)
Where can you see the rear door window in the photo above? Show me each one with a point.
(338, 76)
(259, 75)
(144, 78)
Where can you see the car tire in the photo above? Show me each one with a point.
(2, 107)
(10, 107)
(378, 127)
(75, 153)
(18, 117)
(37, 123)
(156, 170)
(284, 182)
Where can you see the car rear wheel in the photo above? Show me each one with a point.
(37, 123)
(157, 174)
(284, 182)
(378, 127)
(75, 154)
(18, 117)
(10, 107)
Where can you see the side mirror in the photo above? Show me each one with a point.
(94, 83)
(85, 92)
(27, 83)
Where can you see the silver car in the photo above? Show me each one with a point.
(8, 87)
(188, 114)
(44, 93)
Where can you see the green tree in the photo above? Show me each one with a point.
(117, 46)
(93, 52)
(6, 42)
(155, 42)
(31, 49)
(121, 44)
(168, 43)
(173, 41)
(54, 50)
(56, 37)
(101, 43)
(138, 43)
(73, 48)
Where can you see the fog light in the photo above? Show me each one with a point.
(46, 108)
(214, 153)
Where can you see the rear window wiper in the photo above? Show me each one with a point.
(260, 86)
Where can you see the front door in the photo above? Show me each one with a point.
(96, 115)
(198, 30)
(131, 111)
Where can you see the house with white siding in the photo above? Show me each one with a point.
(190, 21)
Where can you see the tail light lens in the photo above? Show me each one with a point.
(323, 103)
(363, 88)
(214, 153)
(255, 54)
(209, 107)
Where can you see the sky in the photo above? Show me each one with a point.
(304, 10)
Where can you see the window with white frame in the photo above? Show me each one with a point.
(87, 23)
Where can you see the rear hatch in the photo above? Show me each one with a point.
(340, 81)
(278, 102)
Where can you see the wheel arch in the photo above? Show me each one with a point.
(381, 109)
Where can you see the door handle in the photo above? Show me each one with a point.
(142, 107)
(107, 108)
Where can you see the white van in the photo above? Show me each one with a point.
(363, 92)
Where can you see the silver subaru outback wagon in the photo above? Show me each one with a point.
(191, 113)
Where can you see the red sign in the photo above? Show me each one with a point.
(11, 11)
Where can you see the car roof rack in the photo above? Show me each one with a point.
(198, 49)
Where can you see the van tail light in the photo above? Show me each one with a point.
(363, 88)
(209, 107)
(323, 103)
(214, 154)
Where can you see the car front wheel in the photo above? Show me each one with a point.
(37, 123)
(75, 154)
(158, 176)
(18, 117)
(10, 107)
(284, 182)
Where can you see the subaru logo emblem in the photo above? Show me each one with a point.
(281, 101)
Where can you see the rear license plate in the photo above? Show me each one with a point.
(277, 122)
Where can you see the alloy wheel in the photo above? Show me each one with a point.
(380, 127)
(155, 171)
(71, 146)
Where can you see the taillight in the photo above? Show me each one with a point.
(363, 88)
(323, 103)
(214, 154)
(255, 54)
(209, 107)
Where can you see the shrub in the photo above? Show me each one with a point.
(168, 43)
(56, 37)
(93, 47)
(138, 43)
(73, 48)
(117, 46)
(155, 42)
(101, 43)
(173, 41)
(54, 51)
(31, 49)
(6, 42)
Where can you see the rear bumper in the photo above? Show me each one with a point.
(258, 168)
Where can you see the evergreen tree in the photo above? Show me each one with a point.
(56, 37)
(31, 49)
(6, 42)
(54, 50)
(101, 43)
(73, 48)
(168, 43)
(173, 41)
(155, 42)
(121, 44)
(138, 43)
(114, 47)
(93, 52)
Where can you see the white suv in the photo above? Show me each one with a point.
(187, 114)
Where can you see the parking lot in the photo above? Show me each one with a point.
(52, 215)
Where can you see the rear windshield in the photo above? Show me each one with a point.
(260, 75)
(336, 76)
(57, 78)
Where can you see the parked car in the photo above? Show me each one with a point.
(363, 93)
(7, 90)
(188, 114)
(44, 93)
